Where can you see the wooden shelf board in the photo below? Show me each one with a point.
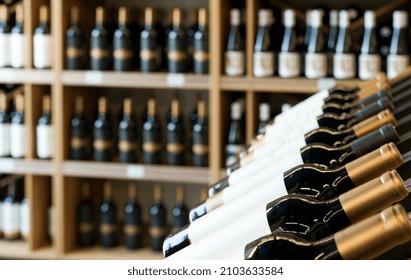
(135, 80)
(113, 170)
(20, 250)
(26, 76)
(276, 84)
(27, 166)
(118, 253)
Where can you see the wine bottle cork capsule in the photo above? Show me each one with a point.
(3, 13)
(107, 190)
(202, 16)
(100, 15)
(149, 15)
(180, 194)
(20, 103)
(177, 16)
(122, 15)
(175, 108)
(74, 14)
(132, 191)
(157, 193)
(79, 104)
(127, 106)
(201, 109)
(44, 13)
(3, 101)
(102, 105)
(19, 13)
(46, 103)
(151, 107)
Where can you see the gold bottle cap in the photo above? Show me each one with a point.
(175, 108)
(373, 196)
(3, 102)
(19, 13)
(157, 193)
(102, 105)
(373, 164)
(20, 103)
(79, 104)
(367, 84)
(201, 111)
(122, 15)
(132, 191)
(3, 13)
(127, 106)
(149, 15)
(177, 16)
(202, 17)
(372, 89)
(374, 236)
(100, 15)
(85, 190)
(151, 107)
(180, 194)
(374, 122)
(107, 190)
(74, 14)
(44, 13)
(46, 104)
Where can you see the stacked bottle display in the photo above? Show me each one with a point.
(314, 51)
(342, 167)
(126, 46)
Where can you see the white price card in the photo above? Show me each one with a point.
(135, 171)
(93, 77)
(8, 75)
(326, 83)
(7, 165)
(176, 80)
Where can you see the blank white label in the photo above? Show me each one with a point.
(135, 172)
(176, 80)
(263, 64)
(4, 139)
(24, 217)
(93, 77)
(4, 50)
(369, 66)
(42, 51)
(18, 137)
(234, 63)
(315, 65)
(1, 216)
(289, 64)
(396, 64)
(10, 218)
(44, 141)
(326, 83)
(344, 65)
(17, 56)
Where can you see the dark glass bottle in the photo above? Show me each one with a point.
(264, 116)
(17, 52)
(150, 48)
(100, 52)
(344, 64)
(79, 138)
(42, 43)
(289, 57)
(177, 44)
(369, 63)
(316, 58)
(133, 222)
(201, 46)
(127, 134)
(152, 147)
(235, 52)
(5, 44)
(103, 133)
(158, 221)
(200, 137)
(75, 48)
(180, 210)
(44, 131)
(332, 41)
(176, 136)
(191, 30)
(18, 130)
(398, 58)
(236, 137)
(263, 57)
(123, 53)
(10, 212)
(85, 219)
(307, 33)
(108, 219)
(4, 126)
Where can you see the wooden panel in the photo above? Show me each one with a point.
(27, 76)
(21, 250)
(251, 115)
(29, 166)
(118, 253)
(70, 195)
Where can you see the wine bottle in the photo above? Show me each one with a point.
(235, 53)
(264, 116)
(123, 54)
(180, 210)
(344, 58)
(332, 41)
(10, 212)
(17, 40)
(307, 33)
(108, 219)
(75, 49)
(177, 44)
(150, 48)
(200, 137)
(79, 142)
(133, 223)
(18, 130)
(384, 33)
(5, 44)
(369, 63)
(175, 136)
(192, 120)
(4, 126)
(100, 54)
(24, 219)
(316, 58)
(103, 133)
(236, 139)
(44, 131)
(398, 58)
(191, 30)
(363, 240)
(263, 57)
(1, 215)
(42, 43)
(152, 135)
(201, 54)
(127, 134)
(85, 218)
(289, 57)
(158, 221)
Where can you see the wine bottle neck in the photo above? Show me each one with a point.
(3, 102)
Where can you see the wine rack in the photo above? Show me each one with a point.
(63, 174)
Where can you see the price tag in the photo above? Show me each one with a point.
(8, 75)
(326, 83)
(93, 77)
(7, 165)
(135, 172)
(176, 80)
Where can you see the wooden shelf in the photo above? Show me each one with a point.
(26, 76)
(20, 250)
(135, 80)
(118, 253)
(280, 85)
(27, 166)
(159, 173)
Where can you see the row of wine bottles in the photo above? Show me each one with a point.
(152, 144)
(14, 210)
(133, 229)
(309, 185)
(128, 47)
(317, 56)
(13, 130)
